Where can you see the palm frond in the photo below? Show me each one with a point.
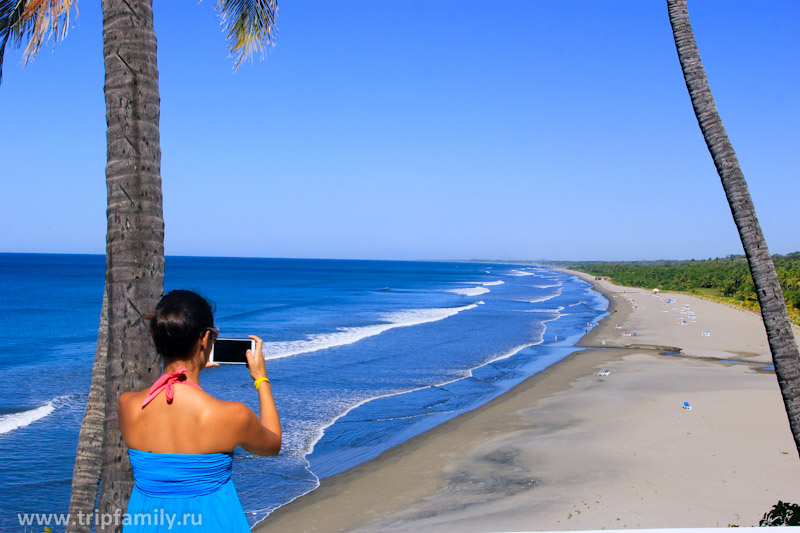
(10, 14)
(250, 25)
(35, 20)
(43, 17)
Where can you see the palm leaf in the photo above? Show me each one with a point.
(34, 20)
(41, 17)
(10, 14)
(250, 26)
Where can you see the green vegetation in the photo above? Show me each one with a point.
(782, 514)
(726, 280)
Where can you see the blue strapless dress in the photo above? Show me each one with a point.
(183, 492)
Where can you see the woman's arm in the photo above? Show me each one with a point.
(261, 436)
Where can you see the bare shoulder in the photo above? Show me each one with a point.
(129, 409)
(235, 412)
(231, 419)
(126, 399)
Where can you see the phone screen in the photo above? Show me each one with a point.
(231, 350)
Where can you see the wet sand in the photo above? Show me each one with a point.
(568, 449)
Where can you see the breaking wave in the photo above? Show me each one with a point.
(350, 335)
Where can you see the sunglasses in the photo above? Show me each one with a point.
(214, 332)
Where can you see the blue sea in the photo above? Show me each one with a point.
(363, 355)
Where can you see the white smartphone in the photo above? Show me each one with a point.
(231, 351)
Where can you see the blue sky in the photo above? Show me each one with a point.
(435, 129)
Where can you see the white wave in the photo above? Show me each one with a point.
(543, 298)
(470, 291)
(549, 286)
(544, 328)
(468, 373)
(519, 273)
(350, 335)
(320, 431)
(557, 310)
(484, 283)
(14, 421)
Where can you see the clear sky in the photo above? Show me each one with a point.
(430, 129)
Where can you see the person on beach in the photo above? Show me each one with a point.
(180, 438)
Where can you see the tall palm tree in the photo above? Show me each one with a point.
(86, 471)
(135, 229)
(770, 297)
(125, 359)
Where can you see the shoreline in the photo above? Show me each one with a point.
(516, 463)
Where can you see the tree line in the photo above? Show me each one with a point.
(726, 278)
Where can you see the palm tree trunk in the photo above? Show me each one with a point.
(86, 473)
(773, 307)
(135, 237)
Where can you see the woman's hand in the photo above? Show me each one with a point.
(261, 435)
(255, 360)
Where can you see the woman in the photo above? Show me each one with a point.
(180, 438)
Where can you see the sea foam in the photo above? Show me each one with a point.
(557, 310)
(470, 291)
(519, 273)
(543, 298)
(484, 283)
(14, 421)
(465, 374)
(350, 335)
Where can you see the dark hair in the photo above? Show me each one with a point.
(179, 320)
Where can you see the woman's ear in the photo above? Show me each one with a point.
(205, 341)
(206, 344)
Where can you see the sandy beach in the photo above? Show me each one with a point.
(569, 449)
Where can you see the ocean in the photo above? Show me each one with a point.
(363, 355)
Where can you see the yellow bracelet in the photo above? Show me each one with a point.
(257, 382)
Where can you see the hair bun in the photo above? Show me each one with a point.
(179, 320)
